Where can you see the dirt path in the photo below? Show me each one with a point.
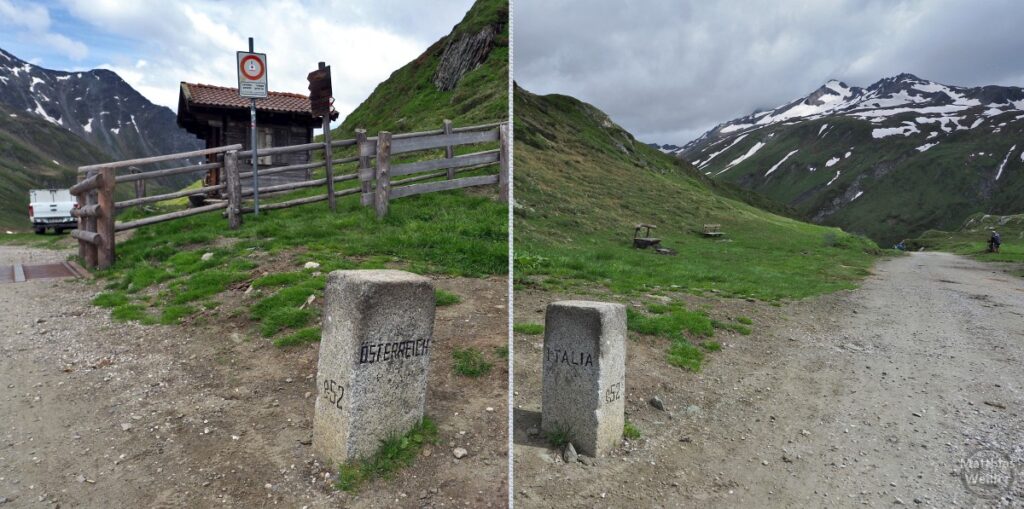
(870, 397)
(95, 413)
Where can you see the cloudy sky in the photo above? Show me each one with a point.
(668, 70)
(155, 44)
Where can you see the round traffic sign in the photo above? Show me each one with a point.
(252, 67)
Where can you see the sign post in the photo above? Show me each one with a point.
(252, 84)
(320, 104)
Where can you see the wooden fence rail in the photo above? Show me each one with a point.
(97, 209)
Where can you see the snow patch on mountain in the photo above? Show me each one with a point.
(834, 178)
(906, 130)
(926, 146)
(753, 150)
(737, 140)
(1003, 165)
(831, 162)
(773, 168)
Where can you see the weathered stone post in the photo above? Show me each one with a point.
(585, 373)
(374, 357)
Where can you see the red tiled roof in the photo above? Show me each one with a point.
(210, 95)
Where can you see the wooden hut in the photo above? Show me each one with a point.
(220, 117)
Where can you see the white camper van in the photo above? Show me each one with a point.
(51, 208)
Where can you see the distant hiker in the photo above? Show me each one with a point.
(901, 246)
(993, 242)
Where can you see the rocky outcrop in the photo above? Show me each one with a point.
(462, 55)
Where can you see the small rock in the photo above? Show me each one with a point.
(426, 452)
(898, 501)
(459, 453)
(656, 402)
(915, 414)
(918, 501)
(125, 426)
(206, 257)
(489, 409)
(764, 462)
(311, 265)
(80, 478)
(533, 431)
(569, 455)
(588, 461)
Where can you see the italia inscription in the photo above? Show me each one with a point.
(570, 357)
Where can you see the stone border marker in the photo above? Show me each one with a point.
(584, 373)
(374, 357)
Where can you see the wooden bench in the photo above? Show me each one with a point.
(646, 241)
(712, 230)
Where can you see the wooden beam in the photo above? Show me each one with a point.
(281, 169)
(504, 162)
(474, 159)
(382, 191)
(84, 236)
(86, 211)
(443, 185)
(234, 189)
(449, 151)
(86, 185)
(300, 201)
(158, 159)
(305, 147)
(168, 172)
(441, 140)
(169, 216)
(91, 250)
(364, 162)
(328, 165)
(169, 196)
(105, 221)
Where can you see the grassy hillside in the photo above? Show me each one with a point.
(408, 101)
(35, 154)
(904, 190)
(972, 238)
(582, 183)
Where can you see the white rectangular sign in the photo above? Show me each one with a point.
(252, 74)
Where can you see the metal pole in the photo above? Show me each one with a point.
(255, 164)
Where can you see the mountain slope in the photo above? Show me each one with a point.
(29, 148)
(463, 77)
(582, 183)
(97, 106)
(889, 161)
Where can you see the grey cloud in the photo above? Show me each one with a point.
(669, 70)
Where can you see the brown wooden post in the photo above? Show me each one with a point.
(503, 162)
(328, 163)
(364, 161)
(80, 200)
(383, 191)
(105, 222)
(91, 250)
(140, 185)
(449, 151)
(233, 190)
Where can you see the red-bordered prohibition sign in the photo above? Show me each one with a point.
(258, 67)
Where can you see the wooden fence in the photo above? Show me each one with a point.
(378, 180)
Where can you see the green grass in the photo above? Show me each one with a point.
(528, 328)
(110, 299)
(559, 435)
(470, 362)
(735, 327)
(670, 322)
(711, 346)
(574, 226)
(501, 351)
(132, 313)
(630, 431)
(684, 355)
(744, 320)
(300, 337)
(443, 298)
(393, 454)
(173, 314)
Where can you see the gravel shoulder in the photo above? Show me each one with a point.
(94, 411)
(869, 397)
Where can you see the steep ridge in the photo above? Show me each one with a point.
(889, 161)
(463, 77)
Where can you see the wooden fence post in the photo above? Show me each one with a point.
(234, 189)
(364, 161)
(91, 250)
(503, 161)
(105, 221)
(140, 185)
(328, 155)
(449, 151)
(81, 202)
(383, 191)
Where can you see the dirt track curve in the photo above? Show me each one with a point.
(863, 398)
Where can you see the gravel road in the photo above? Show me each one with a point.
(864, 398)
(96, 413)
